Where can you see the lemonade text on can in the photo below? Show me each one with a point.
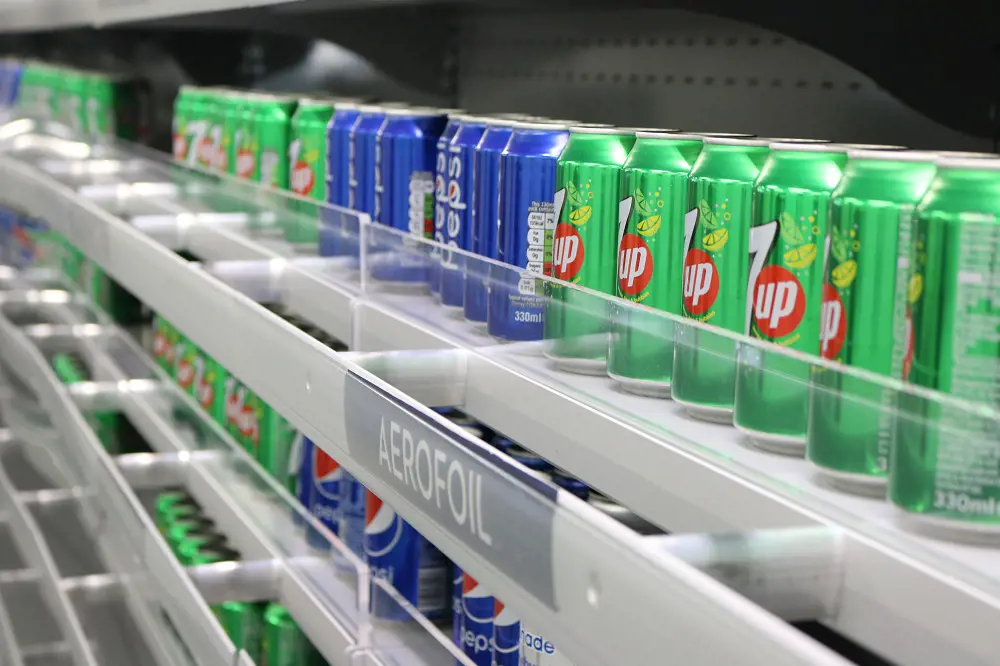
(584, 246)
(716, 268)
(790, 223)
(461, 208)
(486, 178)
(525, 224)
(653, 226)
(943, 466)
(209, 126)
(863, 316)
(232, 117)
(245, 139)
(307, 164)
(406, 148)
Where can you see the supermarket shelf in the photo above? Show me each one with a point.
(234, 491)
(570, 571)
(683, 475)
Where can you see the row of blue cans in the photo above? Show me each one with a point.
(10, 82)
(477, 184)
(372, 530)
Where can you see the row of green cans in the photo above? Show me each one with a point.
(814, 247)
(259, 429)
(276, 140)
(90, 103)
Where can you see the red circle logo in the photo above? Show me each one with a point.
(778, 302)
(302, 178)
(635, 265)
(701, 282)
(567, 252)
(833, 323)
(180, 147)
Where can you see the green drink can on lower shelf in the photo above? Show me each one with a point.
(584, 246)
(943, 467)
(283, 642)
(863, 316)
(652, 229)
(716, 269)
(243, 623)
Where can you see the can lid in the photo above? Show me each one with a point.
(844, 147)
(470, 118)
(962, 153)
(372, 108)
(727, 135)
(808, 147)
(353, 104)
(597, 129)
(772, 139)
(735, 141)
(417, 111)
(893, 155)
(672, 136)
(969, 163)
(651, 130)
(532, 124)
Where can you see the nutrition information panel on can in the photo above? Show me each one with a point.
(969, 466)
(540, 229)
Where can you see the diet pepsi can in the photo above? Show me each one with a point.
(352, 513)
(300, 469)
(401, 556)
(324, 494)
(338, 153)
(535, 463)
(506, 635)
(364, 159)
(525, 222)
(408, 142)
(441, 199)
(484, 221)
(456, 604)
(461, 208)
(477, 621)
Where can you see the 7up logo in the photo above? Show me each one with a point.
(833, 323)
(779, 303)
(635, 265)
(301, 178)
(701, 282)
(239, 413)
(567, 252)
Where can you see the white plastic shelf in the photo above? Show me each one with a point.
(594, 586)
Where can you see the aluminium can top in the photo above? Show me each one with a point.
(970, 163)
(672, 136)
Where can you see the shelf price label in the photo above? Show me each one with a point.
(441, 473)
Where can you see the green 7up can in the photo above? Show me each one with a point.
(260, 430)
(587, 198)
(307, 164)
(716, 267)
(791, 207)
(653, 216)
(200, 377)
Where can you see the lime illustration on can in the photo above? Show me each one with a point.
(584, 246)
(863, 317)
(715, 273)
(653, 224)
(790, 224)
(944, 471)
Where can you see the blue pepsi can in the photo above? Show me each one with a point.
(441, 199)
(324, 493)
(477, 621)
(461, 208)
(484, 222)
(300, 469)
(506, 635)
(338, 153)
(571, 485)
(400, 555)
(525, 222)
(503, 444)
(363, 159)
(456, 604)
(352, 513)
(408, 141)
(540, 466)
